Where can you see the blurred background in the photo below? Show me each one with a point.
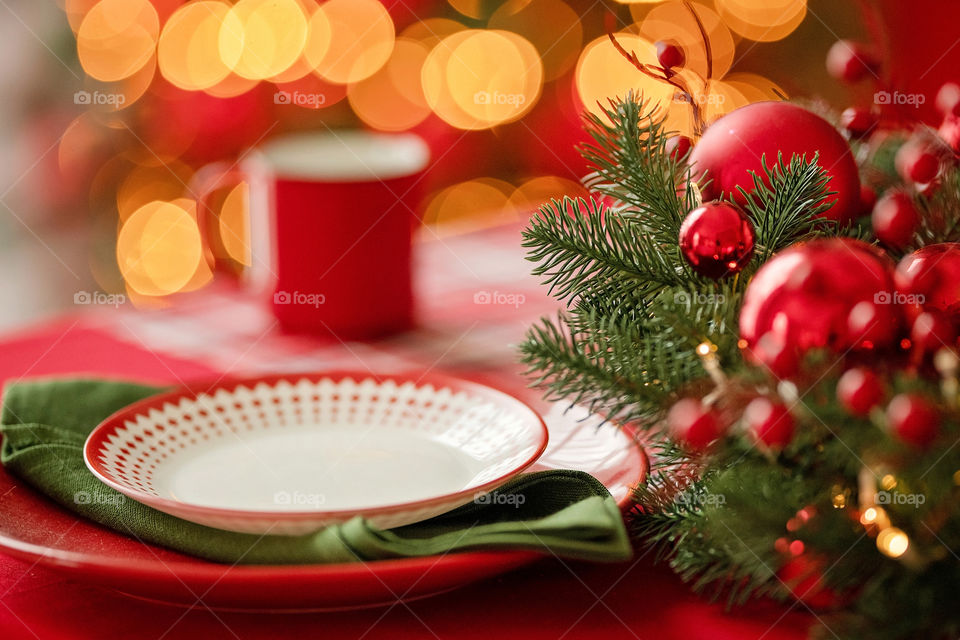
(110, 107)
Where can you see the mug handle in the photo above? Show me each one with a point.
(209, 178)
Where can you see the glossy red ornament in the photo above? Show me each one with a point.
(859, 390)
(932, 331)
(858, 122)
(913, 419)
(930, 277)
(850, 62)
(693, 425)
(678, 147)
(949, 132)
(834, 293)
(717, 239)
(868, 200)
(916, 162)
(895, 219)
(803, 578)
(669, 55)
(769, 422)
(733, 145)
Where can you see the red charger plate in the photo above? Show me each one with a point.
(42, 533)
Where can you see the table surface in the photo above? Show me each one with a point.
(224, 330)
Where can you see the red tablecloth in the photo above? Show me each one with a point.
(223, 330)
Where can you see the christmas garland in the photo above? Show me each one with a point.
(788, 341)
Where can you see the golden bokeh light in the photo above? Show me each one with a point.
(432, 30)
(148, 183)
(527, 198)
(117, 38)
(392, 98)
(476, 9)
(763, 20)
(235, 224)
(262, 38)
(469, 205)
(603, 73)
(893, 542)
(550, 25)
(189, 47)
(754, 87)
(361, 40)
(159, 248)
(673, 22)
(76, 11)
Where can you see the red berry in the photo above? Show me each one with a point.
(669, 55)
(769, 422)
(678, 147)
(868, 199)
(693, 425)
(850, 61)
(858, 122)
(895, 219)
(948, 99)
(912, 419)
(932, 331)
(917, 163)
(859, 390)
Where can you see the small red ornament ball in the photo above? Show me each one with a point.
(932, 331)
(859, 123)
(717, 239)
(693, 425)
(836, 293)
(850, 62)
(895, 220)
(916, 162)
(678, 147)
(913, 419)
(733, 145)
(930, 277)
(769, 422)
(859, 390)
(669, 55)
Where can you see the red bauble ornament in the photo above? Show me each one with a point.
(835, 293)
(858, 122)
(916, 162)
(717, 239)
(803, 577)
(868, 200)
(895, 219)
(949, 132)
(850, 61)
(769, 422)
(932, 331)
(930, 277)
(948, 99)
(913, 419)
(859, 390)
(732, 146)
(693, 425)
(678, 147)
(669, 55)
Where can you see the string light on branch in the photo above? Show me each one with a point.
(893, 542)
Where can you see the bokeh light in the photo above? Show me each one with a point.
(392, 98)
(603, 73)
(235, 225)
(189, 47)
(550, 25)
(261, 39)
(145, 183)
(469, 205)
(432, 30)
(117, 38)
(159, 248)
(361, 39)
(527, 198)
(763, 20)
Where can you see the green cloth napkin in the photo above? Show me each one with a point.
(45, 423)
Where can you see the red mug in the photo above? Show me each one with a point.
(332, 215)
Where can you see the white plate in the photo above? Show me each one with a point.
(291, 454)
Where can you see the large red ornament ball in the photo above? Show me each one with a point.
(732, 146)
(834, 293)
(717, 239)
(930, 278)
(913, 419)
